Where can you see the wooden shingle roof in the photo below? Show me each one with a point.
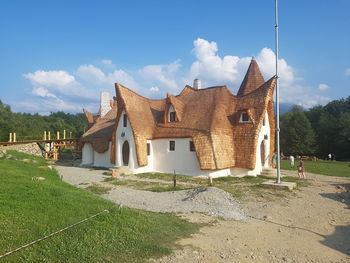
(209, 116)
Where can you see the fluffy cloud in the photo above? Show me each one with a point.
(56, 83)
(347, 72)
(107, 62)
(42, 92)
(94, 75)
(213, 69)
(60, 90)
(163, 74)
(323, 86)
(154, 89)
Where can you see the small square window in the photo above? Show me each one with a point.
(192, 146)
(171, 145)
(172, 116)
(125, 120)
(148, 149)
(244, 117)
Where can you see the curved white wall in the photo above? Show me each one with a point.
(161, 159)
(103, 159)
(87, 154)
(125, 134)
(264, 131)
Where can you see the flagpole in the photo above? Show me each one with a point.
(278, 180)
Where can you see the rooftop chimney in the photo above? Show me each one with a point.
(105, 105)
(197, 84)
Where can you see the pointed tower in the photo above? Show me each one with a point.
(252, 80)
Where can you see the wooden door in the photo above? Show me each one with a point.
(262, 153)
(126, 153)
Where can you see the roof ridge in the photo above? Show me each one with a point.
(266, 83)
(252, 79)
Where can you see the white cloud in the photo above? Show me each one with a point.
(304, 96)
(154, 89)
(163, 74)
(94, 75)
(60, 90)
(347, 72)
(55, 83)
(42, 92)
(215, 70)
(323, 86)
(55, 79)
(107, 62)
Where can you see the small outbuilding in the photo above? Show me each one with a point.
(207, 132)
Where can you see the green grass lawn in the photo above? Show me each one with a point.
(31, 209)
(330, 168)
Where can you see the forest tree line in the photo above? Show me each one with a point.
(32, 126)
(318, 131)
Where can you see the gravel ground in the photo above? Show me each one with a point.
(80, 176)
(210, 200)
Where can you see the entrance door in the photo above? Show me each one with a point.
(262, 153)
(126, 153)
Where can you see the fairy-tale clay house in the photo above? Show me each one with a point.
(208, 132)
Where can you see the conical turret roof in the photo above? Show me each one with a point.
(252, 80)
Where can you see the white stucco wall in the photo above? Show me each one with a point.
(182, 160)
(161, 159)
(265, 130)
(87, 154)
(125, 134)
(103, 159)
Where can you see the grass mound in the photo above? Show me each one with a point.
(31, 209)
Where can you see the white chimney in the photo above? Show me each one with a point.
(105, 103)
(197, 84)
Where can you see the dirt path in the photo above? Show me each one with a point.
(312, 226)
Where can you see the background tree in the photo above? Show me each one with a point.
(297, 135)
(32, 126)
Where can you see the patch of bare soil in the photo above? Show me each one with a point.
(312, 225)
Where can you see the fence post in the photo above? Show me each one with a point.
(44, 135)
(10, 137)
(58, 135)
(64, 134)
(14, 137)
(49, 135)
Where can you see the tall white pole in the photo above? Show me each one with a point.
(277, 100)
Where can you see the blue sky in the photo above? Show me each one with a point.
(59, 55)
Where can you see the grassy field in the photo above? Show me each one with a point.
(31, 209)
(330, 168)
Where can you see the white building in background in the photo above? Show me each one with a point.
(208, 132)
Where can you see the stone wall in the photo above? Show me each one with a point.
(30, 148)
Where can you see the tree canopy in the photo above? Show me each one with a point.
(325, 130)
(32, 126)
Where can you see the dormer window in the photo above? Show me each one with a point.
(244, 118)
(172, 116)
(125, 120)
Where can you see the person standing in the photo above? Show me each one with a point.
(291, 158)
(329, 156)
(274, 160)
(301, 170)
